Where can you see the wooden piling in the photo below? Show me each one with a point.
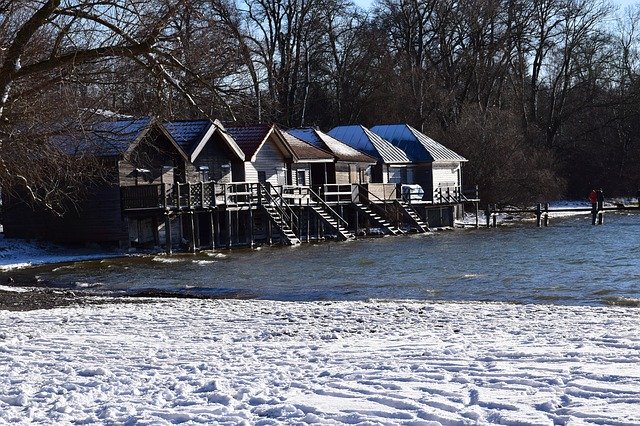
(192, 233)
(251, 236)
(477, 205)
(538, 215)
(229, 228)
(546, 214)
(212, 230)
(167, 233)
(487, 214)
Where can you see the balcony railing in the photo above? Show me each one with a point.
(210, 195)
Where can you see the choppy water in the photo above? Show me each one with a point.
(571, 262)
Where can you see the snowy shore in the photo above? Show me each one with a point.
(265, 362)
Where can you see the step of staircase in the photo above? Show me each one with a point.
(417, 220)
(332, 222)
(385, 224)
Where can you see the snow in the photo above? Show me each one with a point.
(17, 254)
(268, 362)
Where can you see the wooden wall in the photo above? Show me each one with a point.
(98, 219)
(271, 161)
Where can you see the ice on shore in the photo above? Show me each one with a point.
(266, 362)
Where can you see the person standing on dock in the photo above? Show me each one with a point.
(593, 198)
(600, 198)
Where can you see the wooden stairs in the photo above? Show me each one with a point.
(381, 221)
(413, 216)
(276, 218)
(333, 222)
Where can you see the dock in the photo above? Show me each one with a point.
(213, 215)
(542, 212)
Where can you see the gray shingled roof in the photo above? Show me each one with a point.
(363, 139)
(341, 151)
(418, 146)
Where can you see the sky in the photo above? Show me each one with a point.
(623, 3)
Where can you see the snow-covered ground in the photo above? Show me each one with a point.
(15, 253)
(265, 362)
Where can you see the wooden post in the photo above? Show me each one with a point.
(212, 228)
(192, 233)
(539, 215)
(308, 221)
(477, 214)
(487, 214)
(546, 214)
(495, 220)
(167, 233)
(269, 232)
(251, 237)
(357, 222)
(177, 185)
(228, 228)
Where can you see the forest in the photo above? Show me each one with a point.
(542, 96)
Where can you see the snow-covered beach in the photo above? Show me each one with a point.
(267, 362)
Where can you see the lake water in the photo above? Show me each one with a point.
(570, 262)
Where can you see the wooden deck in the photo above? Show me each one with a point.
(296, 213)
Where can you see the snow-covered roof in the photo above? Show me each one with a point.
(418, 146)
(341, 151)
(304, 151)
(363, 139)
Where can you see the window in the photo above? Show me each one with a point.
(262, 177)
(301, 177)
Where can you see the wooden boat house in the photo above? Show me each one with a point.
(133, 152)
(199, 184)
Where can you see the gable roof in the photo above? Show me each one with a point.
(193, 135)
(417, 145)
(251, 138)
(363, 139)
(111, 138)
(188, 133)
(305, 152)
(341, 151)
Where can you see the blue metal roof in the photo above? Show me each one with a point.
(188, 133)
(418, 146)
(104, 138)
(363, 139)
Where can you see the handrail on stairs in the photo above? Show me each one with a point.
(370, 202)
(317, 198)
(289, 218)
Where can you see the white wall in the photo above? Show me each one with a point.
(270, 160)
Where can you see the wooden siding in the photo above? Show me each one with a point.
(301, 168)
(155, 154)
(218, 158)
(342, 173)
(269, 160)
(98, 219)
(447, 175)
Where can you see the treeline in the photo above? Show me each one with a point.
(542, 96)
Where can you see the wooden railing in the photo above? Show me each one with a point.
(209, 195)
(454, 194)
